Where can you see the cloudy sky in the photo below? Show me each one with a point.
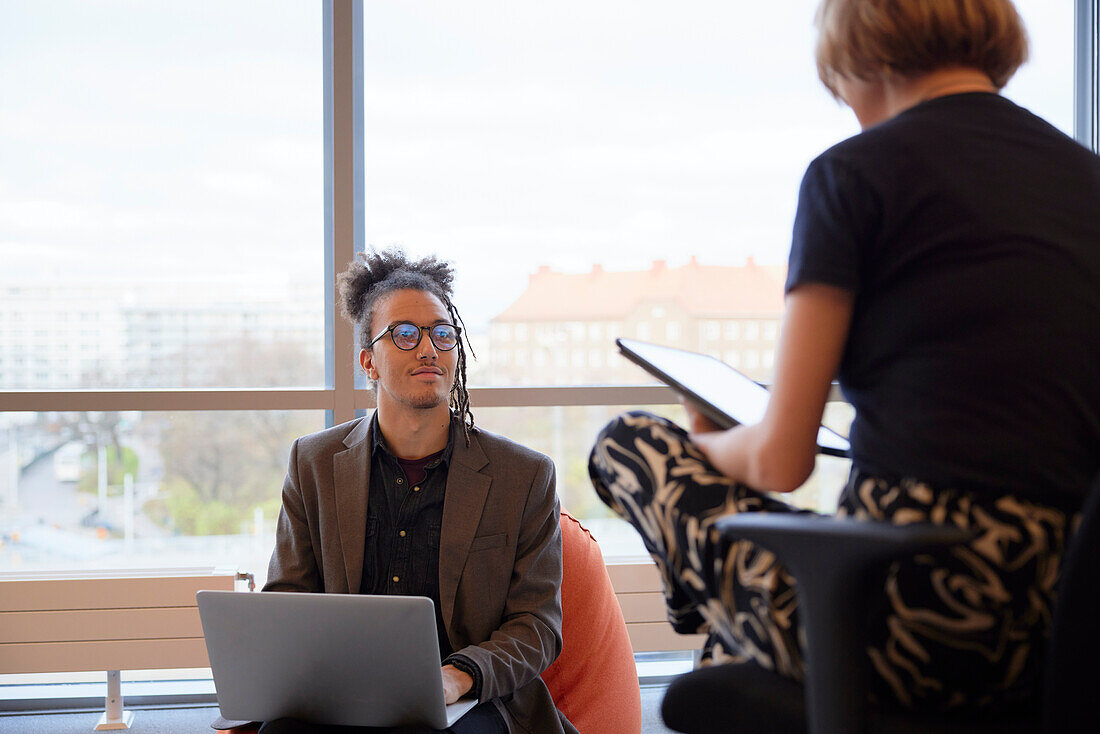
(184, 139)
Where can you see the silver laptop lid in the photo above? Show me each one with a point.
(352, 660)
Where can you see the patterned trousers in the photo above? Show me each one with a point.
(963, 629)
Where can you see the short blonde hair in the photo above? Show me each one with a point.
(872, 38)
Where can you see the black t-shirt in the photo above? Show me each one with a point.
(969, 231)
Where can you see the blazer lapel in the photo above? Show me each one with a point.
(467, 489)
(351, 485)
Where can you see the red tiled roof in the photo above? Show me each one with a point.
(701, 290)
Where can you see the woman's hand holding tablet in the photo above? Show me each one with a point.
(722, 394)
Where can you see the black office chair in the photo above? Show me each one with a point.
(838, 563)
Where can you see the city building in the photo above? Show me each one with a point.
(84, 333)
(562, 328)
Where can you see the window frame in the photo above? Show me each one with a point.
(1086, 55)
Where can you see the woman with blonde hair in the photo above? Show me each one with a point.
(945, 266)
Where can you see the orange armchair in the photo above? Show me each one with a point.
(594, 681)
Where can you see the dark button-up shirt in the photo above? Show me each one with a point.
(403, 527)
(404, 522)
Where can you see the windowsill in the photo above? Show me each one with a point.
(69, 696)
(26, 697)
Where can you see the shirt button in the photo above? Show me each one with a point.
(416, 489)
(396, 579)
(402, 533)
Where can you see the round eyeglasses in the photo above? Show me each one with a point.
(406, 336)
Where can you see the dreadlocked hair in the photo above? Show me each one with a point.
(375, 274)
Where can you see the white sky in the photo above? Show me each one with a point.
(183, 139)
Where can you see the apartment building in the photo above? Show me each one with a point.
(562, 328)
(80, 333)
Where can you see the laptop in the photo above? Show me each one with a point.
(722, 393)
(345, 659)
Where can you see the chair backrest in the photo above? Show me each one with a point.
(1074, 651)
(594, 681)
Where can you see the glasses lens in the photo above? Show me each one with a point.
(406, 336)
(444, 336)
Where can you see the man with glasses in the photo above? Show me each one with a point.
(415, 500)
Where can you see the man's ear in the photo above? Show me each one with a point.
(366, 361)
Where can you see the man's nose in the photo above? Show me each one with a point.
(426, 349)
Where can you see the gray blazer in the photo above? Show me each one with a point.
(499, 554)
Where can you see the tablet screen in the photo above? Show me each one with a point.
(724, 394)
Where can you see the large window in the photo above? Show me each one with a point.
(615, 168)
(161, 199)
(161, 229)
(181, 181)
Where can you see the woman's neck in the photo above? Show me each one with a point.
(905, 92)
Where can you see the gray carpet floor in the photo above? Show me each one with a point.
(196, 720)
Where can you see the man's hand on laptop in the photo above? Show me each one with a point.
(456, 684)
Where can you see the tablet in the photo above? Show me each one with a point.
(722, 393)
